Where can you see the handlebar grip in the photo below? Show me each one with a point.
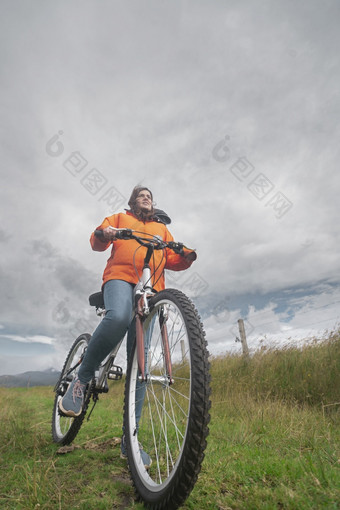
(119, 234)
(99, 234)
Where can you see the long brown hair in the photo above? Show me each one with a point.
(141, 215)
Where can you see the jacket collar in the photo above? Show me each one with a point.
(159, 216)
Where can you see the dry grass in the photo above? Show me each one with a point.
(274, 440)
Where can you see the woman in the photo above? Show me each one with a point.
(119, 279)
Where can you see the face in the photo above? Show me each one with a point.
(144, 200)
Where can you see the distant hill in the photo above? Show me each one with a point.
(27, 379)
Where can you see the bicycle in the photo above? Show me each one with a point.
(167, 387)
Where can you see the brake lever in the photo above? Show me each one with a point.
(176, 247)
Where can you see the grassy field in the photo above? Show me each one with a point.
(274, 440)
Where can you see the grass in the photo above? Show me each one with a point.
(274, 440)
(309, 375)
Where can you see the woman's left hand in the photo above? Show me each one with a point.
(191, 256)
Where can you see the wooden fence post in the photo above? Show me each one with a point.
(242, 331)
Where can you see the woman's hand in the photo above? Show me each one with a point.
(109, 234)
(191, 256)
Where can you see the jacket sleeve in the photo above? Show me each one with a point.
(174, 261)
(96, 243)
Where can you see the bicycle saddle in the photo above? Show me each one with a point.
(97, 300)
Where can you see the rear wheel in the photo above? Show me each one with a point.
(167, 416)
(64, 428)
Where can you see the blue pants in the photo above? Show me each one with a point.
(118, 299)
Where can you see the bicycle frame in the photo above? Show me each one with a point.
(142, 292)
(142, 310)
(105, 373)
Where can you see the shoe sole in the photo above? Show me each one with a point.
(70, 413)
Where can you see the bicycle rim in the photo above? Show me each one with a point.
(171, 426)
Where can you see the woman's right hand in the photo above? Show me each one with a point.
(109, 234)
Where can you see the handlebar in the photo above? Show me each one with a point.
(156, 242)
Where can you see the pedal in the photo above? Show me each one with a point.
(103, 389)
(115, 373)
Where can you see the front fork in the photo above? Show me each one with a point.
(140, 316)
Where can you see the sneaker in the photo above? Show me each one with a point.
(72, 402)
(147, 461)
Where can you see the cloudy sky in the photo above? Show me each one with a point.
(227, 110)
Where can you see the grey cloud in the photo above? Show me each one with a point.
(145, 92)
(35, 279)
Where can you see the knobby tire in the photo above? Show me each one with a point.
(173, 427)
(65, 429)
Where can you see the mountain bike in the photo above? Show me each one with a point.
(167, 387)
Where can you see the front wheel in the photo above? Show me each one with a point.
(167, 416)
(65, 428)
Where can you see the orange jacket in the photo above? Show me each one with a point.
(125, 255)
